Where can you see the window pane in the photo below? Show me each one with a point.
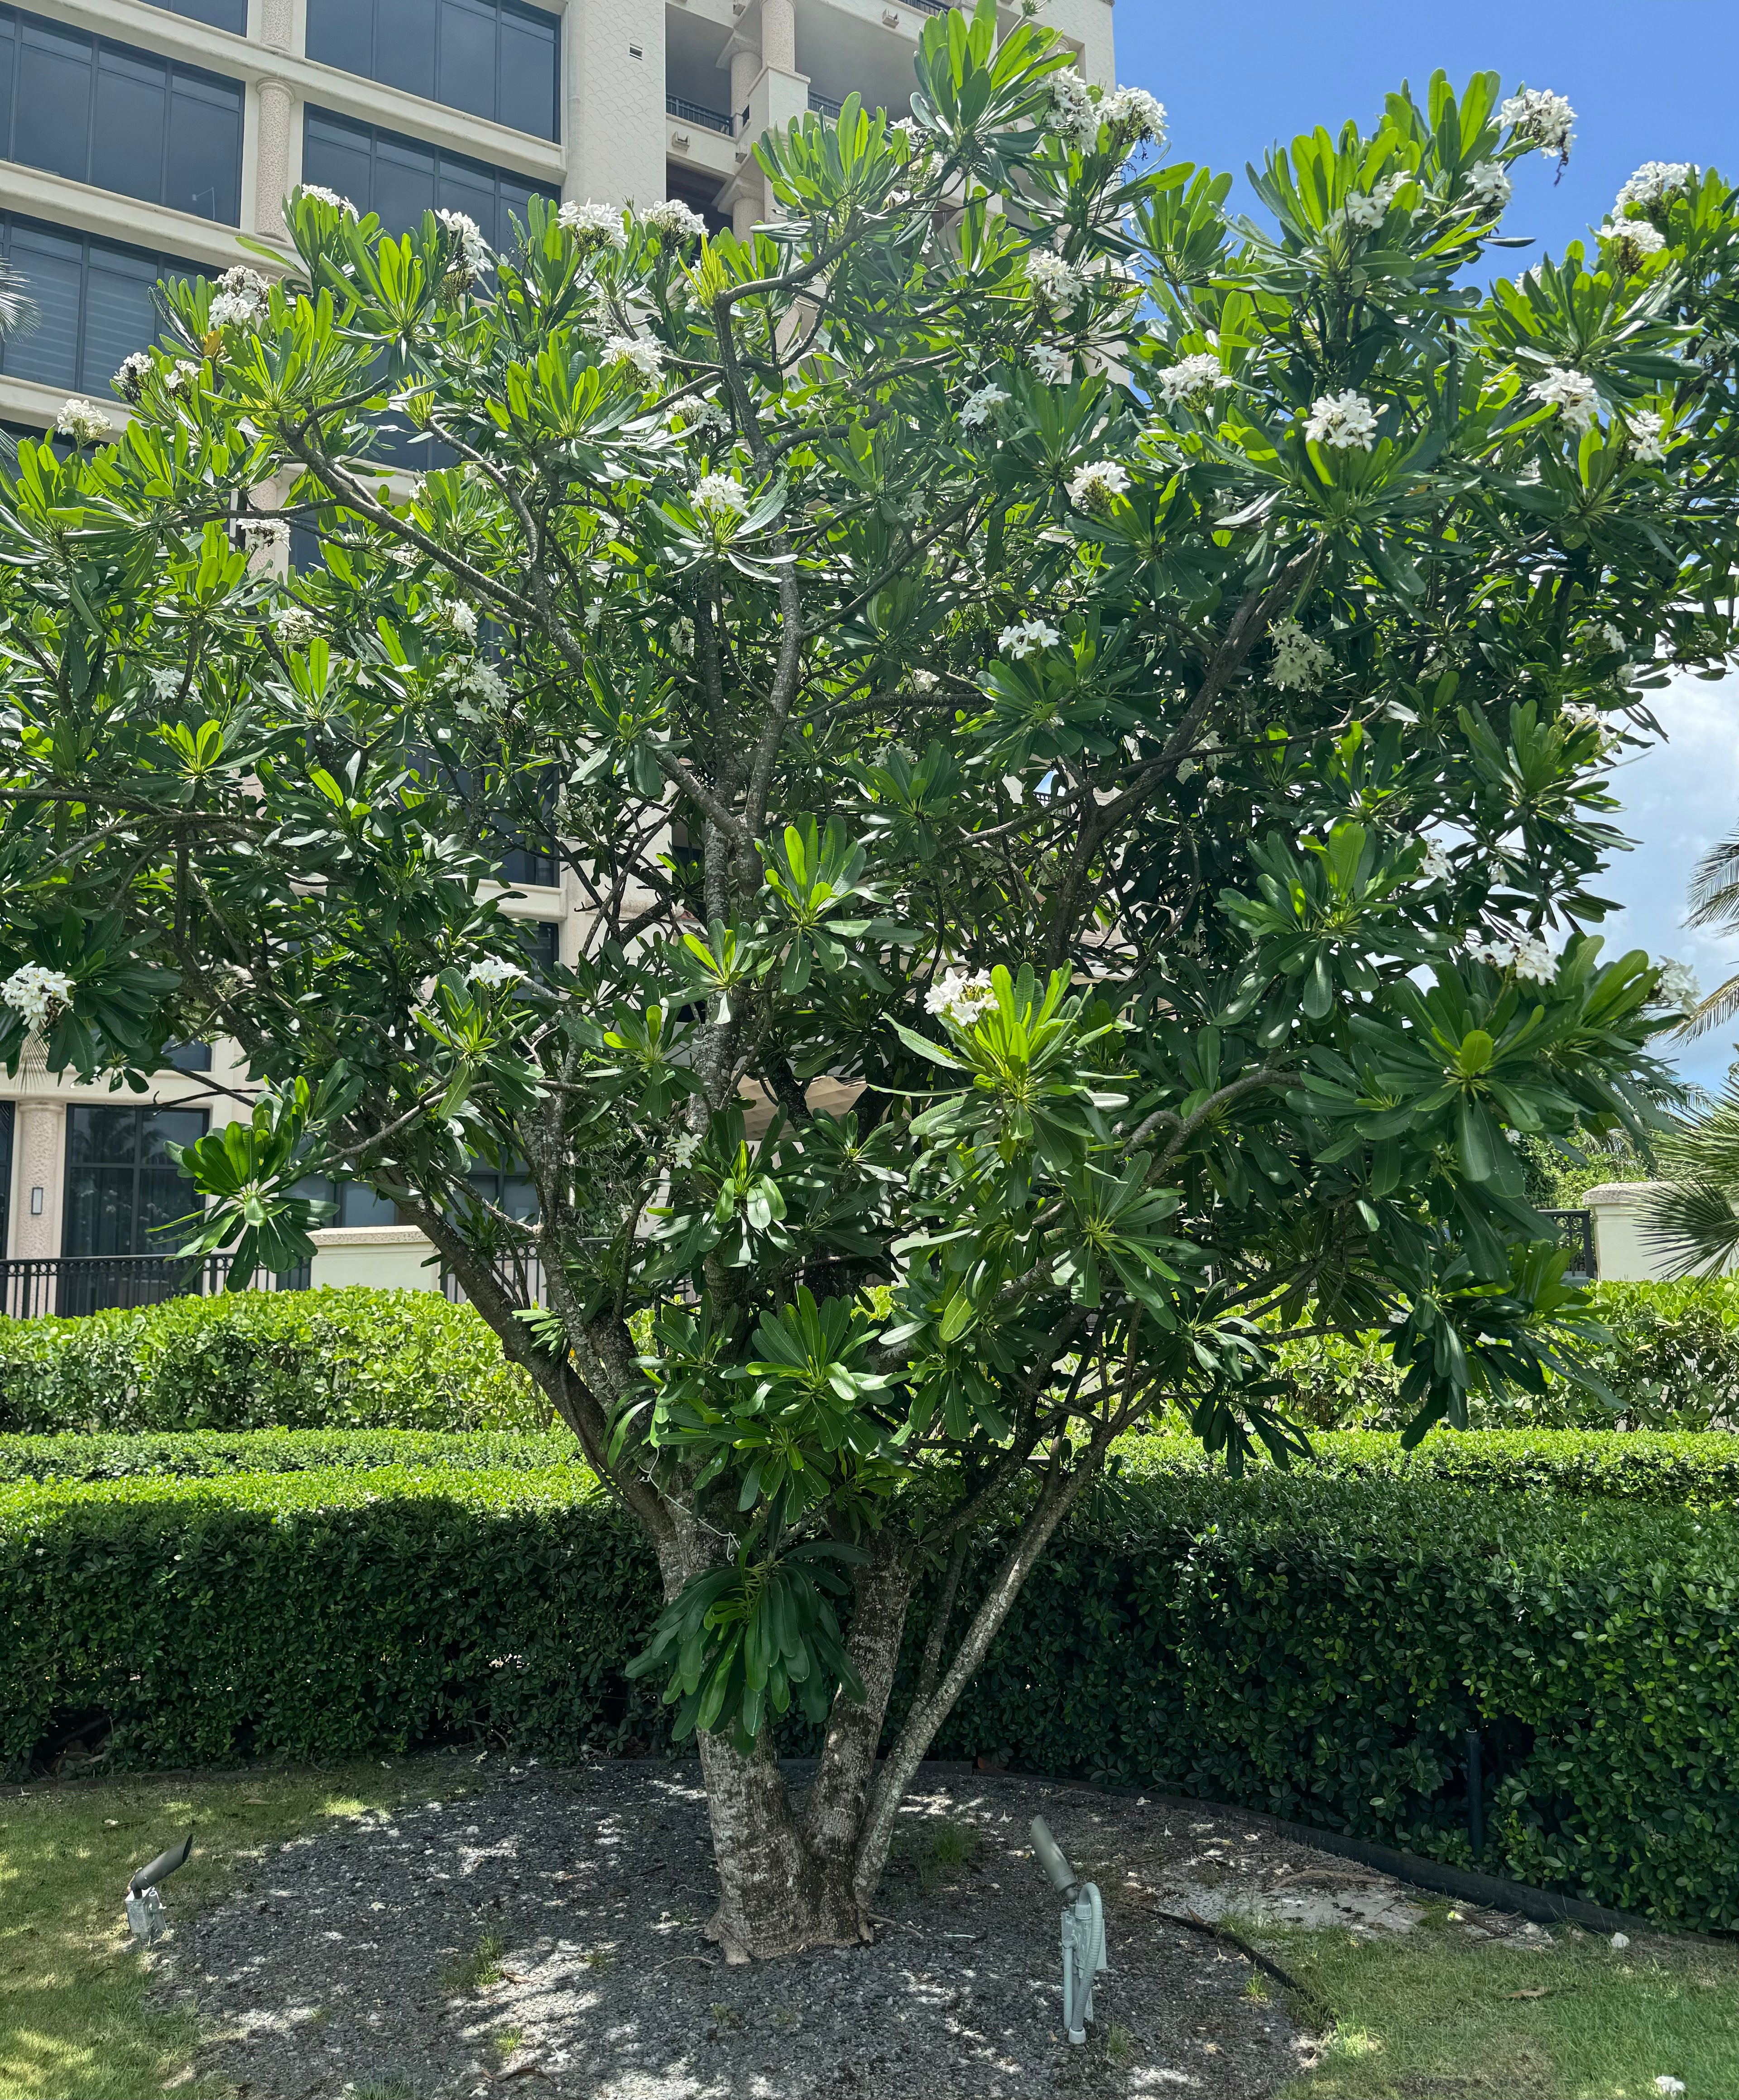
(53, 126)
(341, 32)
(127, 142)
(358, 1205)
(337, 157)
(8, 65)
(102, 1137)
(187, 1057)
(120, 316)
(528, 72)
(403, 183)
(204, 149)
(404, 46)
(470, 189)
(514, 196)
(163, 1127)
(53, 271)
(466, 76)
(231, 15)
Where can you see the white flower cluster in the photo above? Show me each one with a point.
(647, 356)
(1542, 118)
(697, 417)
(1097, 487)
(295, 626)
(960, 998)
(321, 195)
(82, 421)
(473, 257)
(1054, 365)
(1301, 662)
(1134, 114)
(673, 218)
(1198, 373)
(1656, 182)
(1678, 990)
(1342, 421)
(1027, 637)
(1666, 2083)
(1366, 214)
(1486, 185)
(473, 679)
(1646, 436)
(1531, 958)
(721, 493)
(457, 617)
(165, 683)
(182, 375)
(1055, 283)
(683, 1151)
(1435, 867)
(405, 557)
(131, 376)
(976, 408)
(260, 534)
(1073, 114)
(241, 300)
(1632, 241)
(35, 991)
(594, 225)
(495, 970)
(1571, 393)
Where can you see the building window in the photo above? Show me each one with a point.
(95, 303)
(231, 15)
(508, 1187)
(123, 1193)
(497, 58)
(349, 1203)
(101, 112)
(187, 1057)
(401, 179)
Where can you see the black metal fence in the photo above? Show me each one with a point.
(697, 113)
(521, 1275)
(1576, 1231)
(64, 1286)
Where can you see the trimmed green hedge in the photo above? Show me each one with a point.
(1309, 1644)
(263, 1359)
(188, 1453)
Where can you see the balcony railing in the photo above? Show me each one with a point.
(521, 1276)
(64, 1286)
(825, 105)
(697, 113)
(1576, 1232)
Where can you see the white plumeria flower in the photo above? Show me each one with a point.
(1678, 989)
(594, 225)
(165, 682)
(35, 992)
(1027, 637)
(182, 374)
(647, 357)
(1492, 950)
(978, 406)
(961, 999)
(1542, 118)
(1301, 662)
(1342, 421)
(721, 494)
(1534, 960)
(926, 681)
(1487, 185)
(1073, 113)
(1054, 366)
(493, 971)
(457, 617)
(1655, 182)
(1134, 113)
(1632, 241)
(698, 417)
(295, 626)
(1365, 214)
(1197, 373)
(131, 376)
(1097, 487)
(671, 217)
(1571, 393)
(323, 196)
(1435, 867)
(683, 1151)
(82, 421)
(1055, 283)
(228, 311)
(1647, 428)
(263, 534)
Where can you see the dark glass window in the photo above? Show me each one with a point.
(187, 1057)
(351, 1203)
(509, 1189)
(123, 1193)
(231, 15)
(401, 179)
(498, 58)
(541, 939)
(126, 119)
(93, 301)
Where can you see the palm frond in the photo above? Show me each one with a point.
(1719, 1005)
(17, 310)
(1714, 887)
(1692, 1225)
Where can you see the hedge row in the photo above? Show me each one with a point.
(1311, 1645)
(1702, 1471)
(256, 1360)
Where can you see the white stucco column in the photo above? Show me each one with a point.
(271, 158)
(615, 129)
(39, 1146)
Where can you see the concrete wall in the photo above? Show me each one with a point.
(1623, 1251)
(383, 1257)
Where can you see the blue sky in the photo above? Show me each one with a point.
(1650, 80)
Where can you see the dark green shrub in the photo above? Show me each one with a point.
(1308, 1644)
(188, 1453)
(259, 1359)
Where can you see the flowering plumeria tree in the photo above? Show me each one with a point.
(1114, 701)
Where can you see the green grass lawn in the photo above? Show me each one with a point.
(74, 2025)
(1434, 2017)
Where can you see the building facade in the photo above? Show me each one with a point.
(136, 139)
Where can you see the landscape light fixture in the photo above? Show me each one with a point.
(1083, 1932)
(145, 1912)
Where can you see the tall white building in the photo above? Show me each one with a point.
(137, 137)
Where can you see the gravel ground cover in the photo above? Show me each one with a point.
(542, 1930)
